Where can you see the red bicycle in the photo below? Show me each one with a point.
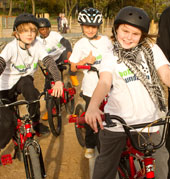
(54, 104)
(80, 110)
(136, 161)
(27, 149)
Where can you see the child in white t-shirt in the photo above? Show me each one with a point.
(89, 50)
(18, 62)
(137, 96)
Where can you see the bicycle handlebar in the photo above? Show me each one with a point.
(109, 123)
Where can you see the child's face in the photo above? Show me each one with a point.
(44, 32)
(26, 33)
(128, 36)
(90, 31)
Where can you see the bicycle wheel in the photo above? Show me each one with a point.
(70, 99)
(80, 129)
(54, 116)
(33, 162)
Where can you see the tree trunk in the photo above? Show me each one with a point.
(10, 8)
(33, 7)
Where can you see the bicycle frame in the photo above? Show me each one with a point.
(24, 137)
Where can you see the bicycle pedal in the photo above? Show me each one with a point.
(72, 91)
(6, 159)
(72, 118)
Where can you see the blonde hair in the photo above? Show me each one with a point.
(25, 26)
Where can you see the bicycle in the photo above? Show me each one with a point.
(54, 104)
(136, 161)
(26, 148)
(80, 109)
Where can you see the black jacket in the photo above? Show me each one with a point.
(163, 39)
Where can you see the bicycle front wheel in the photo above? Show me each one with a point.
(80, 129)
(34, 167)
(54, 116)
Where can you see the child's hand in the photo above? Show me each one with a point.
(90, 59)
(93, 116)
(57, 89)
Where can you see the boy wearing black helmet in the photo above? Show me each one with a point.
(89, 50)
(137, 95)
(55, 44)
(18, 62)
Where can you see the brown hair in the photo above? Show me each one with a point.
(150, 37)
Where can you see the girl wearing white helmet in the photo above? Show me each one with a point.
(89, 50)
(137, 96)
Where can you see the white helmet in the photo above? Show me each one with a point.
(90, 16)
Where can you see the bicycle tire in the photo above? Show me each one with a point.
(54, 117)
(80, 132)
(34, 166)
(70, 100)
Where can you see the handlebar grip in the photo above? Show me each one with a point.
(50, 91)
(81, 120)
(66, 61)
(86, 67)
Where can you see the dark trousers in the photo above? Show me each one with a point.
(168, 139)
(111, 146)
(90, 137)
(25, 86)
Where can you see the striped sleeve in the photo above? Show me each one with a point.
(50, 64)
(2, 65)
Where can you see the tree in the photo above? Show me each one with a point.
(33, 7)
(10, 8)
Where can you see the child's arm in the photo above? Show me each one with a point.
(2, 65)
(53, 69)
(67, 45)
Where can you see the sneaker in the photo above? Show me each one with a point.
(74, 80)
(41, 128)
(89, 153)
(45, 116)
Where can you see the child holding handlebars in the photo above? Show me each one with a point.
(134, 69)
(18, 62)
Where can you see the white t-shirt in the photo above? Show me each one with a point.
(52, 44)
(81, 50)
(19, 63)
(129, 98)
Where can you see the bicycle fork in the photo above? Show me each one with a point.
(25, 156)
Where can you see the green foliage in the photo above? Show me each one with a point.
(108, 7)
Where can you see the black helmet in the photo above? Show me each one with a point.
(90, 16)
(44, 22)
(133, 16)
(24, 18)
